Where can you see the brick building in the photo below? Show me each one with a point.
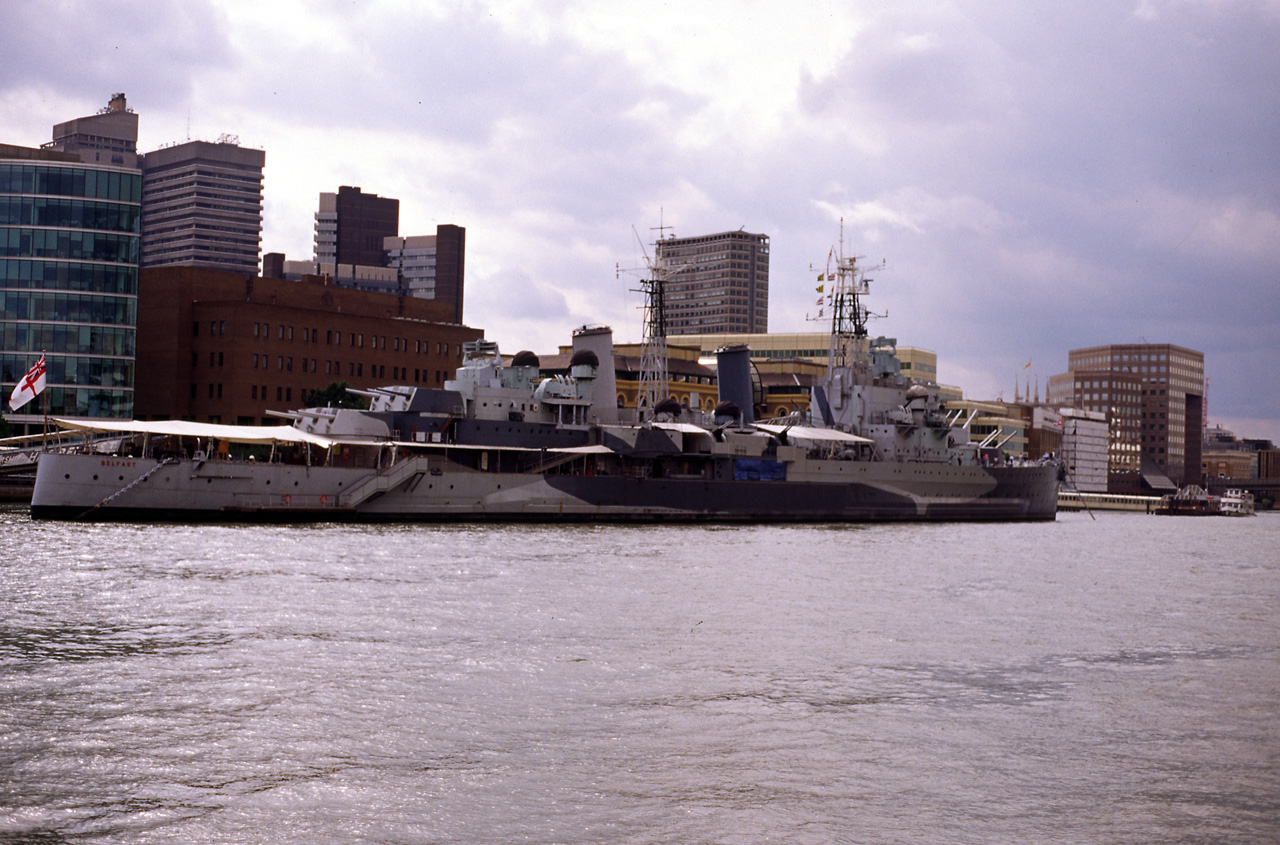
(225, 347)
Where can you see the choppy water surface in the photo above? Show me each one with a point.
(1081, 681)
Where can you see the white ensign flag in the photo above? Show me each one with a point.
(29, 387)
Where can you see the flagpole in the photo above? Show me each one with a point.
(44, 434)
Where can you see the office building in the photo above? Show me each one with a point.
(1085, 450)
(715, 284)
(69, 232)
(202, 206)
(917, 364)
(225, 347)
(350, 227)
(358, 245)
(431, 266)
(1153, 396)
(109, 137)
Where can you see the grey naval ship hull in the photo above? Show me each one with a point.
(83, 486)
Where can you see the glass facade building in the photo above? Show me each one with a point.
(69, 245)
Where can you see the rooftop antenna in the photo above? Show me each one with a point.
(661, 229)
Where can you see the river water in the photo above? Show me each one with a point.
(1108, 680)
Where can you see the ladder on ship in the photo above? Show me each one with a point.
(382, 481)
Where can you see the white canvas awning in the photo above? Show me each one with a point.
(185, 428)
(683, 428)
(807, 432)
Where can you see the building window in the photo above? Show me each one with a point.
(195, 329)
(253, 391)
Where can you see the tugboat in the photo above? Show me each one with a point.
(503, 442)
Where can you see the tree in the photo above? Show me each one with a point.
(336, 396)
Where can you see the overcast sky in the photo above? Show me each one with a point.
(1035, 176)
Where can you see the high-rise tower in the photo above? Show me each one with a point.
(202, 206)
(109, 137)
(431, 266)
(716, 283)
(351, 226)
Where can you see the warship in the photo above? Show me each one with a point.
(504, 442)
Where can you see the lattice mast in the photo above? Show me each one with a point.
(850, 285)
(653, 348)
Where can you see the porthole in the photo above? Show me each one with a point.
(67, 476)
(122, 478)
(95, 478)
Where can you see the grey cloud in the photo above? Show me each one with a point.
(152, 51)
